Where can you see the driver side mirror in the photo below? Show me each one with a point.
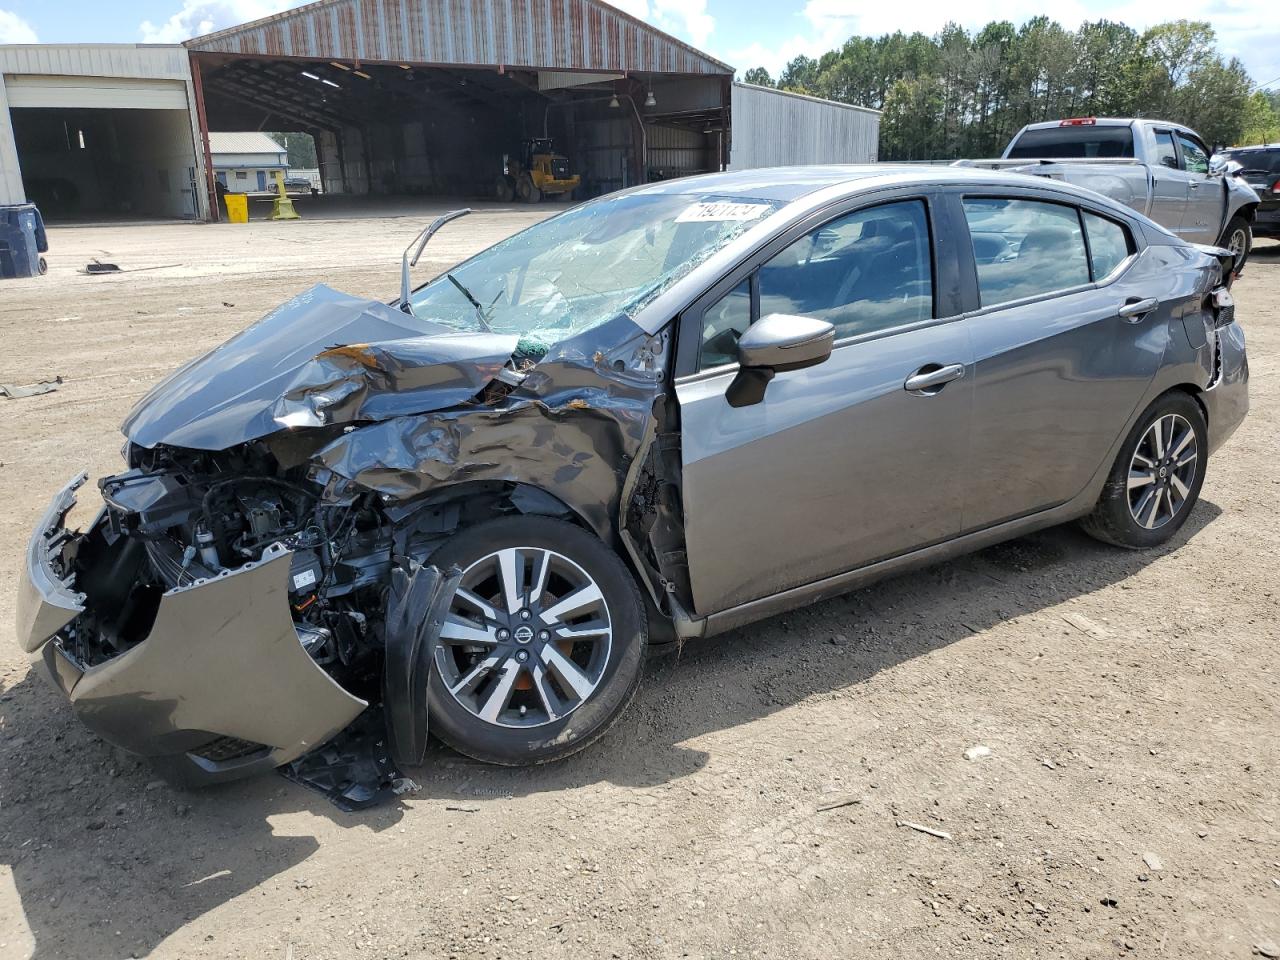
(777, 343)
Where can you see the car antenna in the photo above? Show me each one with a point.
(419, 242)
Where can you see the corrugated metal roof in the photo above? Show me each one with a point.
(548, 34)
(242, 143)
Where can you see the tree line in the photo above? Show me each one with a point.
(961, 94)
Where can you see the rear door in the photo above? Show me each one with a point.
(1202, 221)
(839, 465)
(1058, 370)
(1169, 183)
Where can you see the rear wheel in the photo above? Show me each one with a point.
(1238, 238)
(1156, 479)
(543, 645)
(503, 189)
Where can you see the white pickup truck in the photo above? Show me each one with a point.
(1160, 169)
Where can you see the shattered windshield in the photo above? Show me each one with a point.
(587, 266)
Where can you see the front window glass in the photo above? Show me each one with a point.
(867, 271)
(599, 261)
(1194, 158)
(1025, 248)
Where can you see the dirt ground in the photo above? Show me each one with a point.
(749, 803)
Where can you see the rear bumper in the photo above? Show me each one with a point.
(1227, 399)
(219, 688)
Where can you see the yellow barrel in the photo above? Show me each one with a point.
(237, 207)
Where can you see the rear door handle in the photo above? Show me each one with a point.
(932, 377)
(1135, 310)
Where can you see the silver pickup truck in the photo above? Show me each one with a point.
(1160, 169)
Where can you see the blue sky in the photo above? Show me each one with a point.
(744, 33)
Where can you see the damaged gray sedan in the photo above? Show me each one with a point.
(660, 415)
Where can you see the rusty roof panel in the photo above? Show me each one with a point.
(556, 34)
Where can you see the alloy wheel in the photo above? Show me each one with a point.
(1162, 471)
(527, 638)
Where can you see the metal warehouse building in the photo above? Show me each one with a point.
(403, 97)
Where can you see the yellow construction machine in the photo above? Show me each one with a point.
(538, 171)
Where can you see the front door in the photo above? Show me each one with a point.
(1202, 221)
(839, 465)
(1059, 367)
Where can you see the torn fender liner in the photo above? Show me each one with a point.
(354, 770)
(322, 358)
(418, 604)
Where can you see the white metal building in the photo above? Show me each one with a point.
(774, 128)
(93, 131)
(247, 162)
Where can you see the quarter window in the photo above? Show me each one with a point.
(1109, 244)
(722, 326)
(1194, 158)
(864, 272)
(1025, 248)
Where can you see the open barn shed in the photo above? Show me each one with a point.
(442, 96)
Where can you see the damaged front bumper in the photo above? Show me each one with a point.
(219, 688)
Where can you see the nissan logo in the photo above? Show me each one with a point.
(524, 633)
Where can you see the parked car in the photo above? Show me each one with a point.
(1260, 168)
(1158, 168)
(661, 414)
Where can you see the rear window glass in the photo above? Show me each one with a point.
(1025, 248)
(1073, 142)
(1261, 161)
(1109, 244)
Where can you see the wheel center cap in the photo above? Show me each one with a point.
(523, 633)
(1164, 472)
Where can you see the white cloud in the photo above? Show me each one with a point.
(687, 19)
(13, 29)
(198, 17)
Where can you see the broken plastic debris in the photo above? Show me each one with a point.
(15, 392)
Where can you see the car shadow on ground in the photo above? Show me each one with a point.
(108, 861)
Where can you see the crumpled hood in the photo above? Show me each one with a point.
(322, 358)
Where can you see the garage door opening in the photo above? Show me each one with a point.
(106, 149)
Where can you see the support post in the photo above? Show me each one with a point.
(215, 214)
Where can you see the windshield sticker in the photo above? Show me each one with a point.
(722, 212)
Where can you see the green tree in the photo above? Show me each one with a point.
(301, 148)
(759, 76)
(1261, 121)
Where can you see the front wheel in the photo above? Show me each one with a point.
(1156, 479)
(1238, 238)
(543, 645)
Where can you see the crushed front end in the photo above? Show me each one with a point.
(212, 615)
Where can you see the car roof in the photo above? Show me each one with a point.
(788, 184)
(1259, 147)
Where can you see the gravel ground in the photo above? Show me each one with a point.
(753, 801)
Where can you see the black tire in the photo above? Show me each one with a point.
(1238, 226)
(466, 732)
(1112, 520)
(527, 191)
(503, 190)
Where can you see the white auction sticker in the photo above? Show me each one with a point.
(304, 579)
(722, 212)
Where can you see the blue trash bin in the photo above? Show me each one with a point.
(22, 240)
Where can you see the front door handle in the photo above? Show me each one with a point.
(1135, 310)
(932, 377)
